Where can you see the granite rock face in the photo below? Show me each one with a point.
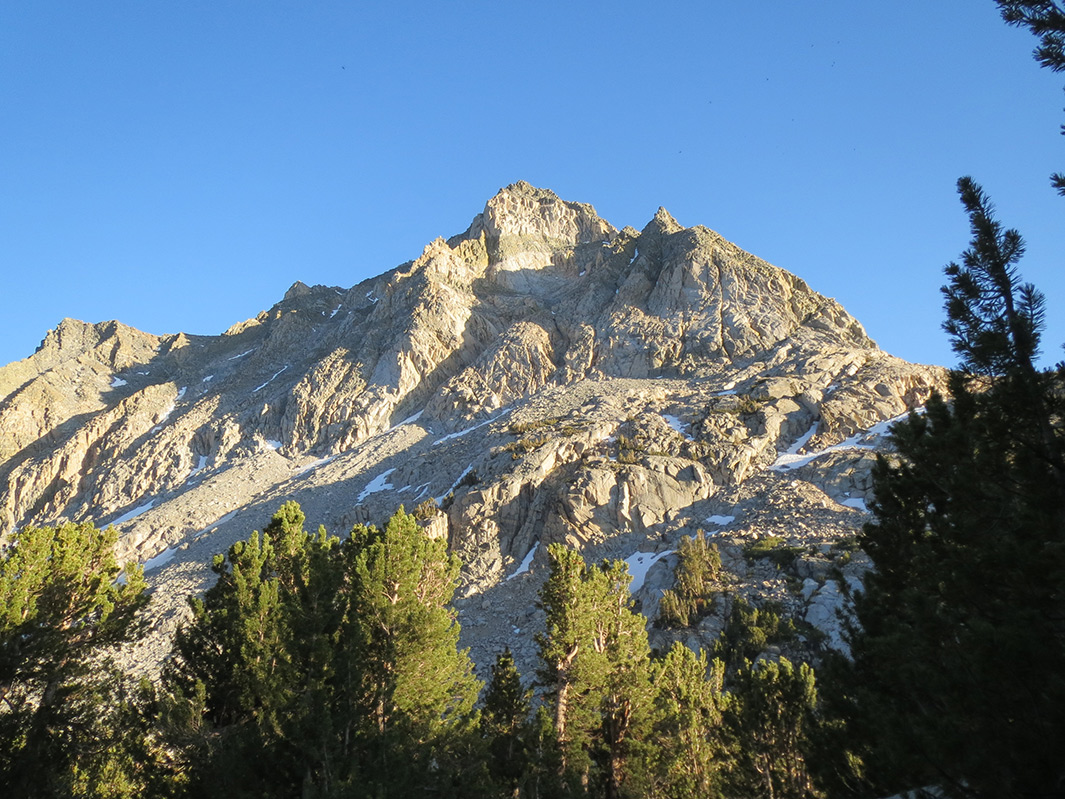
(542, 376)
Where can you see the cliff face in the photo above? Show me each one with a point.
(542, 375)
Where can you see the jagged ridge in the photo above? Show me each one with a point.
(539, 314)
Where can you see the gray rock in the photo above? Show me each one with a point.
(809, 586)
(543, 376)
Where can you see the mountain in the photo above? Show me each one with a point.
(540, 377)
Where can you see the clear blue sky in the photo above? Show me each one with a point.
(178, 165)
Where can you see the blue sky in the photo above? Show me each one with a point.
(178, 165)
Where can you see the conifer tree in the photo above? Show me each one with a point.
(64, 600)
(697, 580)
(322, 669)
(596, 667)
(1046, 19)
(749, 631)
(249, 673)
(687, 746)
(412, 689)
(959, 650)
(506, 725)
(772, 716)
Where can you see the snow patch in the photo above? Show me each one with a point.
(379, 483)
(133, 514)
(271, 380)
(201, 464)
(855, 502)
(863, 440)
(315, 464)
(272, 444)
(526, 563)
(371, 297)
(409, 419)
(169, 410)
(162, 419)
(728, 390)
(677, 425)
(214, 525)
(470, 429)
(721, 521)
(225, 518)
(246, 352)
(335, 310)
(161, 559)
(803, 439)
(118, 382)
(455, 485)
(208, 379)
(639, 564)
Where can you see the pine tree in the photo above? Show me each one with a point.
(412, 689)
(959, 650)
(1046, 19)
(324, 669)
(506, 725)
(64, 601)
(749, 631)
(596, 667)
(772, 718)
(697, 580)
(247, 672)
(687, 745)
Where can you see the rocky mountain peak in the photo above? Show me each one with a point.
(524, 211)
(297, 289)
(116, 344)
(662, 223)
(540, 377)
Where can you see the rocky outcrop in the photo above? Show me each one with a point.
(540, 377)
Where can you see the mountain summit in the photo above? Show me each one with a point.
(542, 376)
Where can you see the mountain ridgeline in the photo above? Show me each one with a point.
(541, 377)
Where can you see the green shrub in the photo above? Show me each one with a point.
(698, 580)
(747, 405)
(774, 548)
(750, 630)
(526, 445)
(425, 509)
(520, 428)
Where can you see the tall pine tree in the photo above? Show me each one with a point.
(686, 750)
(250, 673)
(596, 668)
(772, 719)
(412, 690)
(64, 601)
(958, 677)
(506, 726)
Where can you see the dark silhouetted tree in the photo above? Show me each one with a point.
(1046, 19)
(958, 677)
